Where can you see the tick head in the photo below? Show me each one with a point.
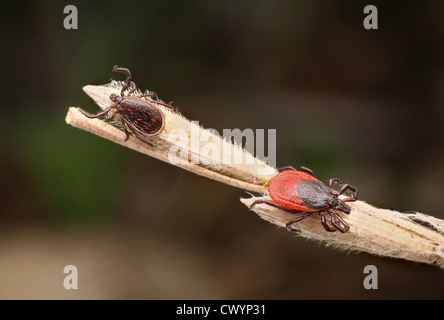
(333, 201)
(337, 204)
(115, 98)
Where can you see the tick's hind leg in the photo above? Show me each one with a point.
(289, 210)
(174, 108)
(136, 134)
(306, 170)
(151, 95)
(303, 169)
(286, 168)
(274, 204)
(292, 222)
(125, 129)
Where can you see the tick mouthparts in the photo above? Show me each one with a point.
(343, 207)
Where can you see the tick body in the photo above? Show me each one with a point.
(138, 115)
(299, 192)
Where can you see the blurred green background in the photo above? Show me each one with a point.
(366, 106)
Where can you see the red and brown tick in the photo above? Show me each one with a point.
(141, 116)
(299, 192)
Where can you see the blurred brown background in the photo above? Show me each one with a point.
(366, 106)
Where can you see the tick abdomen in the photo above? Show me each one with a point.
(284, 189)
(314, 194)
(141, 115)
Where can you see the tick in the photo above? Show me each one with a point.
(299, 192)
(140, 116)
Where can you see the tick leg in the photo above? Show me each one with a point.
(142, 139)
(306, 170)
(138, 136)
(151, 95)
(292, 222)
(354, 190)
(339, 223)
(332, 182)
(127, 80)
(324, 223)
(273, 204)
(165, 105)
(93, 116)
(133, 88)
(286, 168)
(110, 115)
(125, 130)
(303, 169)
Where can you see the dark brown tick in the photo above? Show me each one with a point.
(142, 117)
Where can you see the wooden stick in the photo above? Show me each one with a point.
(377, 231)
